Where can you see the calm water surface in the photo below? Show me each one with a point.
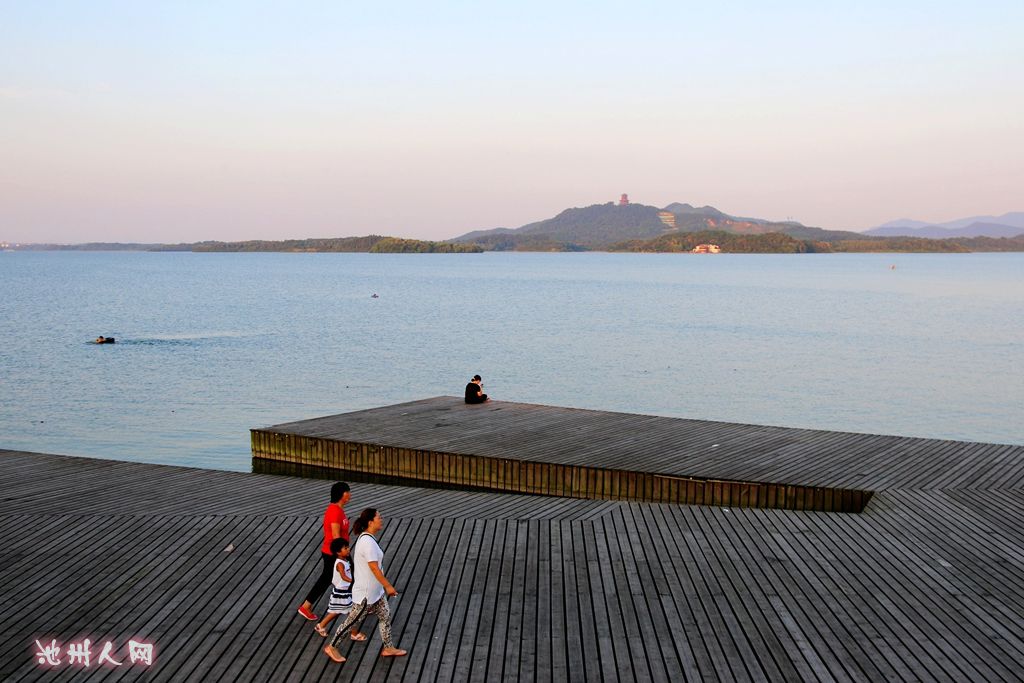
(210, 345)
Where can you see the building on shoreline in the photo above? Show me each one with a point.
(706, 249)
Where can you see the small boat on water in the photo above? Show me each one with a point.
(105, 340)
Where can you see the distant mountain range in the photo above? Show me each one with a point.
(601, 226)
(1007, 225)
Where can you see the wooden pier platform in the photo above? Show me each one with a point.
(927, 583)
(549, 450)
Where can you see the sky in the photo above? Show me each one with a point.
(173, 121)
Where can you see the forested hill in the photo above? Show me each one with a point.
(590, 227)
(602, 225)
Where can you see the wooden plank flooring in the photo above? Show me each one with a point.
(672, 446)
(926, 584)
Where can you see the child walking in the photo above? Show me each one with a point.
(341, 590)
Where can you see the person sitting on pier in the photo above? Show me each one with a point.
(474, 390)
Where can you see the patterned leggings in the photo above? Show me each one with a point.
(378, 609)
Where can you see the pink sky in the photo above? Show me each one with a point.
(185, 124)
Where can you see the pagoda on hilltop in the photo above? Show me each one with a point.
(624, 200)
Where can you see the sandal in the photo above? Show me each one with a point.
(320, 631)
(339, 659)
(395, 652)
(358, 637)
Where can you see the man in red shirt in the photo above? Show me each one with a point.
(335, 526)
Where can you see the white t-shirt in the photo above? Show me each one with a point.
(338, 582)
(366, 585)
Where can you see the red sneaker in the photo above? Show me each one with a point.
(306, 613)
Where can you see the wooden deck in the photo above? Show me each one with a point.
(926, 584)
(525, 448)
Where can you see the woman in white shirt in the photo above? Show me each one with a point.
(370, 588)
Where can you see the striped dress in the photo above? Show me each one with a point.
(341, 590)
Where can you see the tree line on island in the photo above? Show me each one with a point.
(778, 243)
(374, 244)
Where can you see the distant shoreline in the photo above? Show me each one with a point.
(622, 227)
(674, 243)
(374, 244)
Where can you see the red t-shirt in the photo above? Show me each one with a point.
(333, 515)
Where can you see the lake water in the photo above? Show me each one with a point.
(210, 345)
